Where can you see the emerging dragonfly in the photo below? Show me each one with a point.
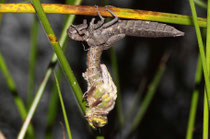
(102, 93)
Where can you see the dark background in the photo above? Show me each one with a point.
(138, 60)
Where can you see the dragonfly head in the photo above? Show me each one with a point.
(78, 32)
(95, 120)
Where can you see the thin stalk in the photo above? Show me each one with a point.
(53, 107)
(207, 38)
(201, 3)
(11, 84)
(194, 101)
(116, 80)
(100, 137)
(53, 103)
(205, 118)
(206, 96)
(90, 10)
(137, 98)
(149, 94)
(32, 61)
(34, 106)
(201, 48)
(1, 1)
(12, 87)
(191, 121)
(63, 107)
(52, 65)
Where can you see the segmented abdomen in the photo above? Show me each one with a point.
(140, 28)
(100, 84)
(93, 73)
(101, 93)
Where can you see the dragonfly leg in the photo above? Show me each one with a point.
(84, 97)
(102, 19)
(92, 25)
(113, 40)
(80, 32)
(99, 23)
(113, 20)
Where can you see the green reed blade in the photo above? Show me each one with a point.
(194, 101)
(63, 61)
(63, 107)
(201, 3)
(115, 72)
(201, 48)
(32, 60)
(149, 94)
(12, 87)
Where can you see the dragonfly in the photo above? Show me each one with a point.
(101, 94)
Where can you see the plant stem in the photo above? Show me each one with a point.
(205, 117)
(116, 80)
(63, 107)
(63, 61)
(1, 1)
(206, 102)
(90, 10)
(53, 107)
(149, 94)
(201, 48)
(136, 100)
(201, 3)
(194, 101)
(12, 87)
(99, 137)
(32, 61)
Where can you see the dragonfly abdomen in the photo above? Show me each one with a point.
(140, 28)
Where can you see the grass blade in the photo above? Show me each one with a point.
(206, 102)
(12, 87)
(116, 81)
(201, 49)
(53, 107)
(149, 94)
(99, 137)
(135, 102)
(194, 101)
(201, 3)
(32, 61)
(205, 117)
(11, 84)
(63, 107)
(64, 63)
(56, 46)
(1, 1)
(90, 10)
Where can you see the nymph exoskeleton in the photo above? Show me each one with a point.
(106, 34)
(102, 93)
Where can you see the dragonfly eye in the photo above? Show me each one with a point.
(75, 34)
(73, 29)
(96, 123)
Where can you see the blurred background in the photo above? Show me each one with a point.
(138, 61)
